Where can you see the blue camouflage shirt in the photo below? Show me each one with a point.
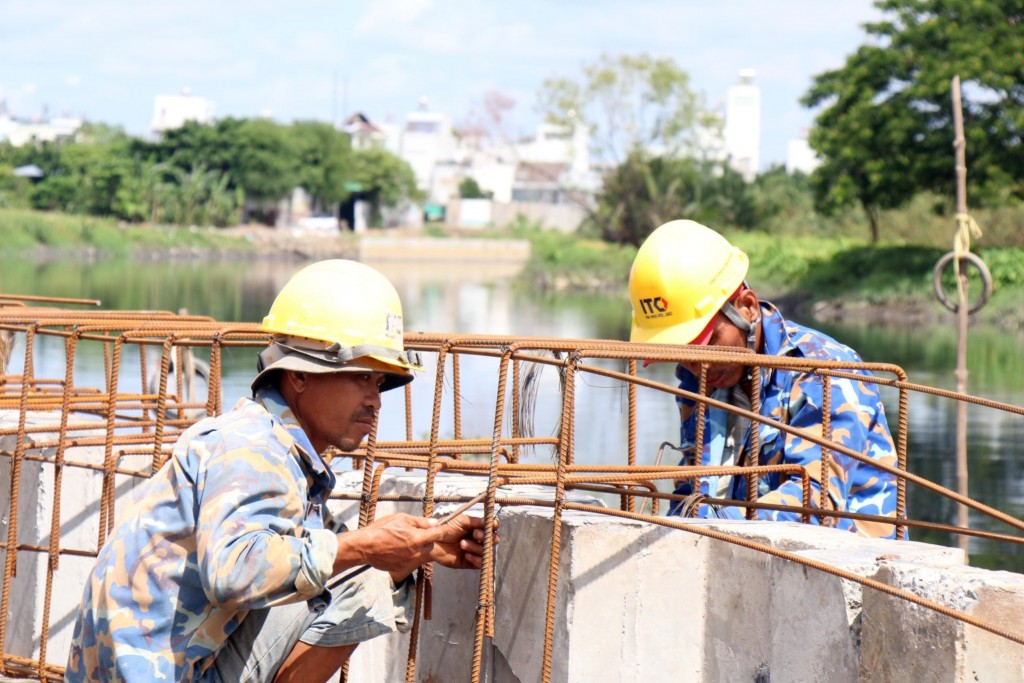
(230, 522)
(795, 398)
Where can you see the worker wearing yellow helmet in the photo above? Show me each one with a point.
(688, 286)
(224, 567)
(336, 316)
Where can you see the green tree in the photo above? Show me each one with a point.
(628, 103)
(387, 179)
(14, 190)
(783, 201)
(469, 188)
(323, 161)
(885, 131)
(265, 165)
(645, 191)
(96, 173)
(257, 155)
(200, 196)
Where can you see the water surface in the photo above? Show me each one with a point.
(446, 298)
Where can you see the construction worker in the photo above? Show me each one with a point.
(219, 568)
(688, 286)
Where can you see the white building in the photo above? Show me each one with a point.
(550, 171)
(172, 111)
(428, 145)
(570, 148)
(19, 130)
(742, 130)
(800, 157)
(364, 133)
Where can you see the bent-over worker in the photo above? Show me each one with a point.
(698, 280)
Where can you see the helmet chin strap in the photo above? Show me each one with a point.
(744, 325)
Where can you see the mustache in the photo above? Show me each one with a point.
(365, 414)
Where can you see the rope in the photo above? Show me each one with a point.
(966, 229)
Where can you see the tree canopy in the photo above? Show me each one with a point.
(885, 131)
(201, 173)
(645, 191)
(628, 103)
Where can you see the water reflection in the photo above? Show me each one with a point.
(489, 300)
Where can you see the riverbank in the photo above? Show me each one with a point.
(830, 278)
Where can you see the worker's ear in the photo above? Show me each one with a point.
(746, 303)
(296, 380)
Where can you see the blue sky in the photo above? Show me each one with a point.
(317, 59)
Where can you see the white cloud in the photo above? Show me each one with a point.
(390, 52)
(444, 27)
(380, 18)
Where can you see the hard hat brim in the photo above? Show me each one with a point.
(395, 374)
(683, 333)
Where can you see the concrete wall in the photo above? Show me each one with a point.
(79, 502)
(634, 602)
(561, 217)
(442, 249)
(640, 602)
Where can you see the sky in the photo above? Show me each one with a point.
(322, 59)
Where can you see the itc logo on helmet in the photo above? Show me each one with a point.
(655, 307)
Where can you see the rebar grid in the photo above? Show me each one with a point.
(58, 421)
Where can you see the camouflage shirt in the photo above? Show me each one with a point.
(795, 398)
(230, 522)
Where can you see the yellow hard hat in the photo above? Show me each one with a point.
(682, 275)
(337, 316)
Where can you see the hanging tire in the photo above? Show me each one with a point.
(966, 260)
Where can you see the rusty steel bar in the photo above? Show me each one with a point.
(128, 431)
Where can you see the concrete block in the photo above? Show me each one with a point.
(904, 642)
(446, 641)
(812, 617)
(642, 600)
(78, 527)
(629, 599)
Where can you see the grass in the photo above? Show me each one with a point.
(813, 269)
(822, 267)
(23, 230)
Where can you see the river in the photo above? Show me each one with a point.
(443, 298)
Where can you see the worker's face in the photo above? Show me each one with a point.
(335, 409)
(721, 375)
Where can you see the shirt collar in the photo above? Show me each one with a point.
(270, 398)
(773, 331)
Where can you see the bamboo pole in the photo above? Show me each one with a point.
(959, 146)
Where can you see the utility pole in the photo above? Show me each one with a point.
(334, 99)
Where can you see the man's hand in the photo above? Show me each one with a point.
(397, 544)
(400, 543)
(461, 546)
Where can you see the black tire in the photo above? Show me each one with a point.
(967, 259)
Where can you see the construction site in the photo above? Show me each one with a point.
(591, 581)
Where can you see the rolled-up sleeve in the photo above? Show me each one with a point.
(253, 545)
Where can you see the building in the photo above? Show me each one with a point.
(364, 133)
(172, 111)
(20, 130)
(544, 177)
(428, 145)
(800, 157)
(742, 130)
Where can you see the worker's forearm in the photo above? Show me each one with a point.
(352, 552)
(356, 549)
